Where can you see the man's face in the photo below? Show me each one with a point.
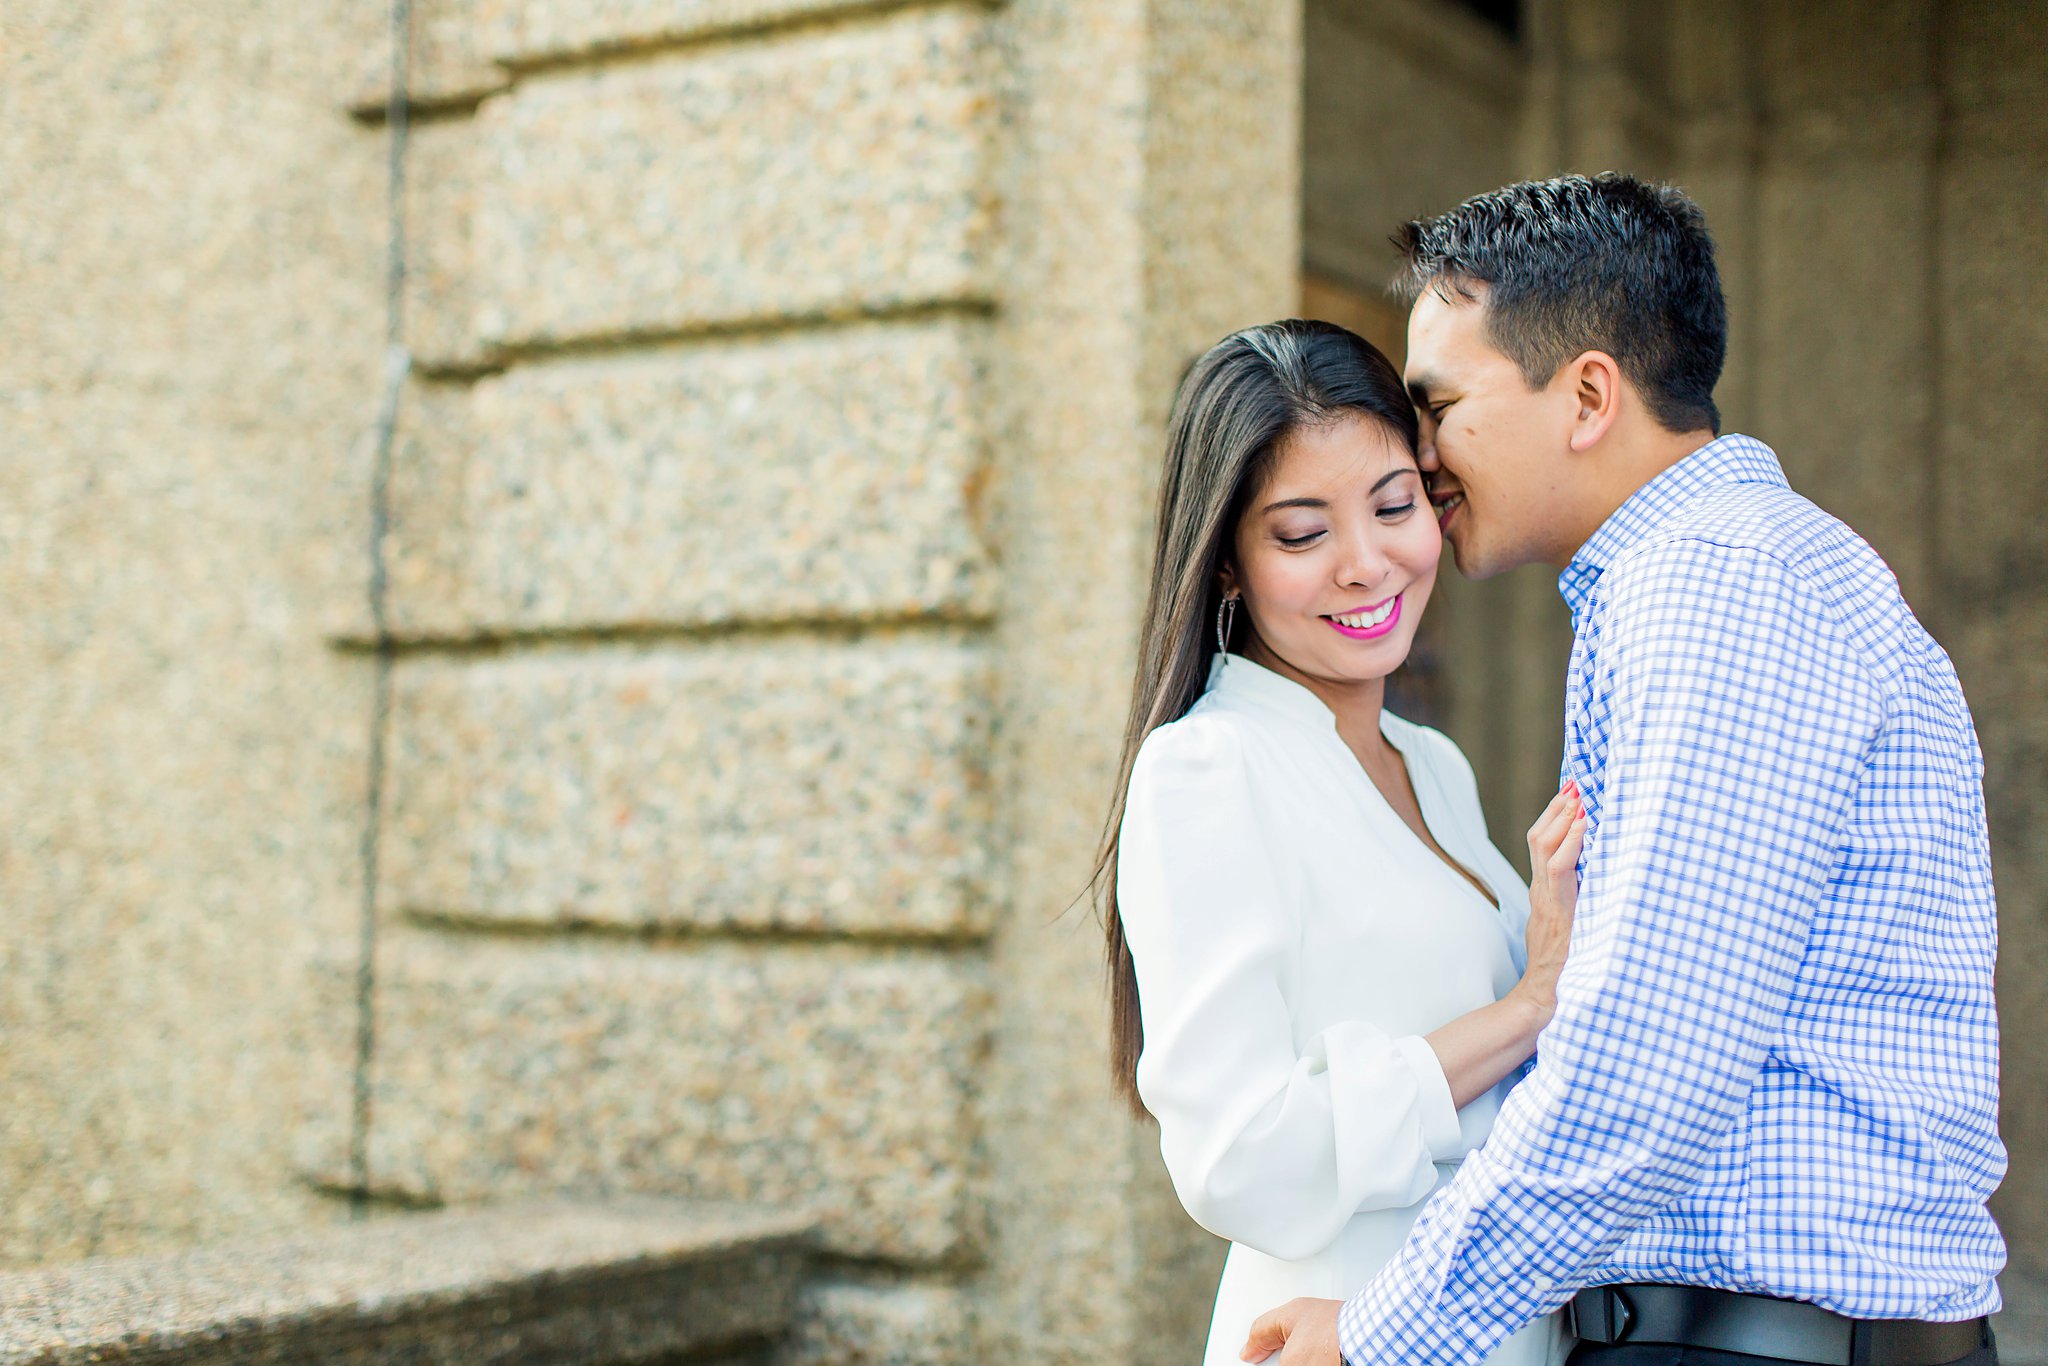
(1492, 448)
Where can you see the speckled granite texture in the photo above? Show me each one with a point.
(833, 1079)
(445, 178)
(1151, 178)
(818, 173)
(790, 783)
(189, 343)
(835, 475)
(625, 1281)
(840, 1320)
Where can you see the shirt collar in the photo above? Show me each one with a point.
(1237, 679)
(1725, 460)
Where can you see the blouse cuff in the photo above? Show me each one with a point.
(1441, 1133)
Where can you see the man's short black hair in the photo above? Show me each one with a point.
(1587, 263)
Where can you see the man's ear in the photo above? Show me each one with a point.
(1597, 388)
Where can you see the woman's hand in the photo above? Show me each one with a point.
(1303, 1332)
(1482, 1046)
(1554, 843)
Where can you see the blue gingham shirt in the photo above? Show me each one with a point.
(1774, 1062)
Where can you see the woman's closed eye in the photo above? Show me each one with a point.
(1297, 542)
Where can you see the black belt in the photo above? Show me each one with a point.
(1758, 1325)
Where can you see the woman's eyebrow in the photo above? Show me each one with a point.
(1378, 484)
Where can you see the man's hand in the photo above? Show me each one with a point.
(1303, 1332)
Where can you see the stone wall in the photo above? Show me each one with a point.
(189, 350)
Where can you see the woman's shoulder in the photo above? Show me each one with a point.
(1212, 738)
(1205, 741)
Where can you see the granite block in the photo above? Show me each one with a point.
(786, 783)
(825, 1078)
(529, 31)
(824, 173)
(813, 477)
(846, 1322)
(552, 1281)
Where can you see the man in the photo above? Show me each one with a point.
(1762, 1122)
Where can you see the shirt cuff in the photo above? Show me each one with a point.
(1441, 1132)
(1399, 1320)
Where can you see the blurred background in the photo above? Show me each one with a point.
(628, 712)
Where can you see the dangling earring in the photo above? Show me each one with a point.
(1226, 617)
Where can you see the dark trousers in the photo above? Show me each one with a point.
(1627, 1354)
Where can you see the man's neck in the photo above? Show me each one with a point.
(1627, 467)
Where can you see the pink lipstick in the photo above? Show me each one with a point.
(1373, 632)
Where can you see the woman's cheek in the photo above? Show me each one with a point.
(1424, 547)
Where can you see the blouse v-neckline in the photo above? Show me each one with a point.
(1239, 677)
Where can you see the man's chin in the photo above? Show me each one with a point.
(1471, 564)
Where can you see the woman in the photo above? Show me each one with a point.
(1323, 974)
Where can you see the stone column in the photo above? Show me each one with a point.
(1988, 371)
(1152, 206)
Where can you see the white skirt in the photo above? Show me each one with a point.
(1253, 1283)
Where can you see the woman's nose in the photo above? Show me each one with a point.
(1363, 564)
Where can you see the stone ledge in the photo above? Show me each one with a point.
(548, 1281)
(846, 1319)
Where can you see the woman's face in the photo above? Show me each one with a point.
(1336, 555)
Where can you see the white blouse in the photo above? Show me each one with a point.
(1294, 941)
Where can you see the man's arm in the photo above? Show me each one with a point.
(1741, 720)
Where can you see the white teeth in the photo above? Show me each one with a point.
(1359, 621)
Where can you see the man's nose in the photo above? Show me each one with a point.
(1425, 450)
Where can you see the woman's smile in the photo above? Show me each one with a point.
(1367, 623)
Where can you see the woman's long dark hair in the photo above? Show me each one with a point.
(1235, 406)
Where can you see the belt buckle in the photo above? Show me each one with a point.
(1610, 1319)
